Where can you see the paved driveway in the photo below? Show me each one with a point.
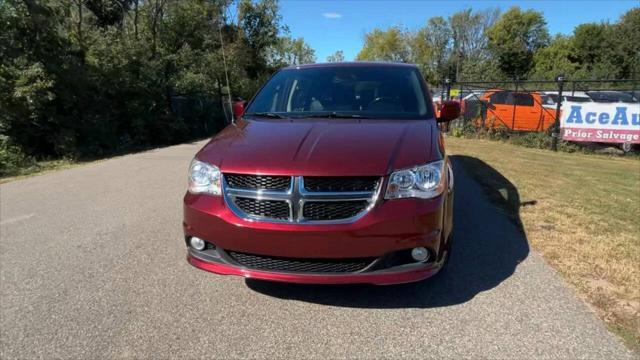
(93, 266)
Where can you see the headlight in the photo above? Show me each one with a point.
(204, 178)
(425, 182)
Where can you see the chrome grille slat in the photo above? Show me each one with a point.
(323, 206)
(340, 183)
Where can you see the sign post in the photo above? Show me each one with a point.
(556, 125)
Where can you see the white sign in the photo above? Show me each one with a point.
(601, 122)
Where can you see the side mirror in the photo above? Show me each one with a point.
(449, 110)
(238, 108)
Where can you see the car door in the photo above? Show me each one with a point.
(527, 115)
(500, 109)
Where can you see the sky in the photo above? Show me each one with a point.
(328, 26)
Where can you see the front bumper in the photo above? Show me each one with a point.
(397, 275)
(390, 226)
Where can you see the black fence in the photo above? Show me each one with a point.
(530, 105)
(203, 114)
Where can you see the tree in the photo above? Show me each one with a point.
(260, 24)
(291, 51)
(610, 50)
(438, 35)
(93, 77)
(337, 56)
(557, 58)
(389, 45)
(108, 12)
(515, 37)
(469, 40)
(458, 44)
(460, 23)
(626, 47)
(591, 42)
(37, 66)
(421, 53)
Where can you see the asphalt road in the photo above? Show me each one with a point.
(93, 266)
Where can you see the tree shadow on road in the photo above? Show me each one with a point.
(489, 243)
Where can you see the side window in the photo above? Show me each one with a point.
(550, 99)
(524, 100)
(499, 97)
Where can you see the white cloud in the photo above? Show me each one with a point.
(332, 15)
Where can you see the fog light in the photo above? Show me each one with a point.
(420, 254)
(197, 243)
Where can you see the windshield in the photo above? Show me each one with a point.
(350, 91)
(611, 96)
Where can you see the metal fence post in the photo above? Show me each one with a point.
(447, 83)
(555, 134)
(515, 103)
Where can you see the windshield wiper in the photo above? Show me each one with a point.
(266, 114)
(335, 115)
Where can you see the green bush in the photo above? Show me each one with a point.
(12, 159)
(538, 140)
(466, 130)
(457, 132)
(500, 133)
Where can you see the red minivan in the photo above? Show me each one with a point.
(333, 174)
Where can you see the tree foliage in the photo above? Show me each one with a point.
(337, 56)
(386, 45)
(486, 45)
(290, 51)
(442, 48)
(557, 58)
(515, 37)
(94, 77)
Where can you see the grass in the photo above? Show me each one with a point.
(32, 167)
(583, 216)
(38, 167)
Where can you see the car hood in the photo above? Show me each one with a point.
(322, 147)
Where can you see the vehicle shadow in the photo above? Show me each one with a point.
(489, 243)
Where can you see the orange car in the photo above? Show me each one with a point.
(522, 111)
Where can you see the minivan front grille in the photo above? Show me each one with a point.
(304, 265)
(300, 199)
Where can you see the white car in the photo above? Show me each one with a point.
(550, 98)
(612, 96)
